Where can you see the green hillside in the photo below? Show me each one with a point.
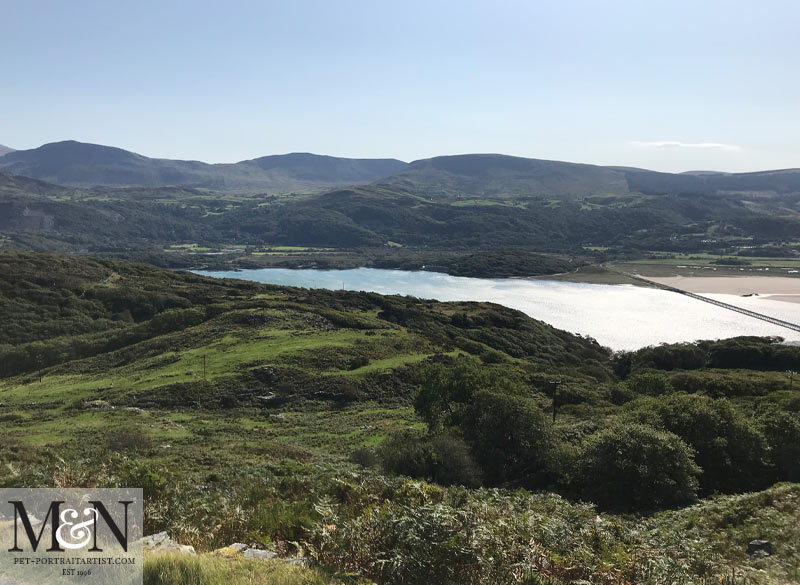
(496, 176)
(90, 165)
(142, 222)
(352, 428)
(435, 207)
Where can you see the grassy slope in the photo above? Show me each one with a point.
(210, 438)
(210, 570)
(328, 349)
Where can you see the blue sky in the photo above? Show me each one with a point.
(674, 85)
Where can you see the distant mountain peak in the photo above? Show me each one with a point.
(5, 150)
(72, 150)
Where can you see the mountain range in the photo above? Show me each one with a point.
(5, 150)
(109, 200)
(78, 164)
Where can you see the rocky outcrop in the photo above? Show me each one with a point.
(239, 550)
(162, 543)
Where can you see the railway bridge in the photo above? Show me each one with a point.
(748, 312)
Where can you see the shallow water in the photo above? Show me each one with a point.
(618, 316)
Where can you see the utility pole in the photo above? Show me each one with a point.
(554, 384)
(39, 361)
(791, 378)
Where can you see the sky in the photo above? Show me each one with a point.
(669, 85)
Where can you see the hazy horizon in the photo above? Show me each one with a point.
(667, 86)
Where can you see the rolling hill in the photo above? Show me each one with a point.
(456, 203)
(508, 177)
(89, 165)
(470, 176)
(35, 215)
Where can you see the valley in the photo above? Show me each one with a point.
(491, 422)
(426, 213)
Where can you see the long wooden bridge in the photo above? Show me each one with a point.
(748, 312)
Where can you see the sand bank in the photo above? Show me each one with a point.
(778, 288)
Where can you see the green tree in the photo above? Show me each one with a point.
(636, 467)
(510, 438)
(446, 389)
(729, 449)
(782, 432)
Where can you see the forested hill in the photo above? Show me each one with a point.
(89, 165)
(466, 203)
(505, 177)
(80, 164)
(508, 177)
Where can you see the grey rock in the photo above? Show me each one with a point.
(759, 548)
(161, 543)
(101, 404)
(255, 553)
(271, 399)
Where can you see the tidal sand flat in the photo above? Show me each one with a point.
(774, 288)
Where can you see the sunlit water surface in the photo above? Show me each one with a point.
(618, 316)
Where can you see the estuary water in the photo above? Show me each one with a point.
(618, 316)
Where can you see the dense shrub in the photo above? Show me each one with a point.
(128, 440)
(729, 449)
(365, 457)
(407, 453)
(724, 383)
(785, 400)
(758, 353)
(620, 394)
(649, 384)
(426, 536)
(677, 356)
(636, 467)
(782, 431)
(453, 463)
(445, 459)
(510, 437)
